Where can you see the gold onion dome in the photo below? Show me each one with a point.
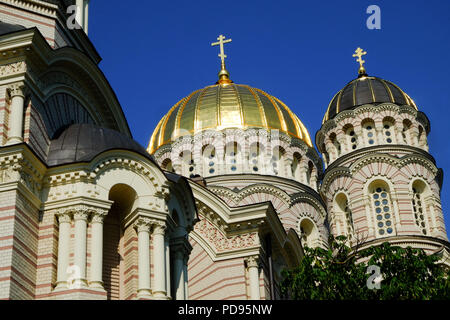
(366, 90)
(226, 105)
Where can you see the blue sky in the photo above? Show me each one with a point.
(157, 52)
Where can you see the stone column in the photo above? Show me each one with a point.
(16, 114)
(178, 271)
(159, 260)
(185, 273)
(96, 280)
(167, 253)
(80, 218)
(63, 249)
(253, 274)
(143, 230)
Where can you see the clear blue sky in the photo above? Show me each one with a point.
(157, 52)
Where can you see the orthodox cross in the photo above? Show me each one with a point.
(220, 43)
(359, 53)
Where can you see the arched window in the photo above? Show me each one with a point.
(256, 157)
(384, 211)
(309, 235)
(369, 131)
(418, 206)
(342, 208)
(209, 160)
(389, 130)
(352, 138)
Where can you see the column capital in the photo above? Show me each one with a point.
(63, 217)
(17, 89)
(98, 216)
(142, 224)
(159, 227)
(252, 261)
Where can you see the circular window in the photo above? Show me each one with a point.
(378, 210)
(352, 133)
(381, 232)
(371, 141)
(389, 140)
(386, 126)
(191, 169)
(211, 163)
(369, 128)
(354, 147)
(211, 171)
(389, 230)
(376, 196)
(380, 224)
(233, 168)
(388, 133)
(255, 168)
(379, 217)
(370, 134)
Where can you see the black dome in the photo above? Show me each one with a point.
(82, 142)
(7, 27)
(364, 90)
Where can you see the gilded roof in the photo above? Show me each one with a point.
(365, 90)
(224, 106)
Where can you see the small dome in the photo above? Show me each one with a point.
(223, 106)
(83, 142)
(365, 90)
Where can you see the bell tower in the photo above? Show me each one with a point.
(380, 183)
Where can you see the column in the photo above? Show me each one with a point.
(253, 274)
(143, 230)
(167, 252)
(159, 257)
(179, 275)
(80, 218)
(96, 280)
(63, 249)
(16, 114)
(185, 273)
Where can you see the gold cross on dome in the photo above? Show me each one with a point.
(220, 43)
(359, 53)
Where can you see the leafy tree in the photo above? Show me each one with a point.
(340, 273)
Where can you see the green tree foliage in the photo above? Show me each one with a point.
(340, 273)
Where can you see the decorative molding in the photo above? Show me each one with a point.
(252, 262)
(13, 69)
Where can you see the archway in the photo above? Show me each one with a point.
(113, 252)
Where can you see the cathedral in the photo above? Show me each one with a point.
(228, 192)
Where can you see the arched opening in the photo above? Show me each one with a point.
(187, 164)
(296, 173)
(352, 138)
(277, 166)
(419, 189)
(209, 160)
(383, 208)
(336, 145)
(309, 235)
(310, 172)
(406, 132)
(342, 209)
(232, 158)
(389, 130)
(368, 126)
(113, 254)
(256, 157)
(167, 165)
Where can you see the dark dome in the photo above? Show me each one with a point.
(7, 27)
(364, 90)
(82, 142)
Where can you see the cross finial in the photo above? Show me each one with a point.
(223, 74)
(359, 53)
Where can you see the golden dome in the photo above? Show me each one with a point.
(226, 105)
